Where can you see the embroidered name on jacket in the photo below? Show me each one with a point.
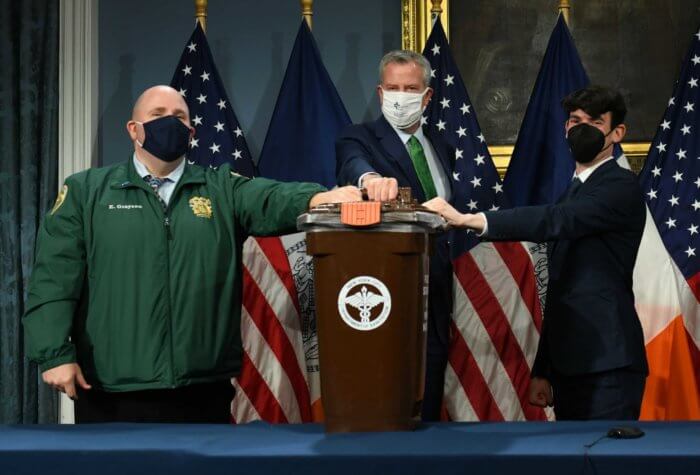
(201, 207)
(125, 206)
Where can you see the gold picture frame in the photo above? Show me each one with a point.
(416, 23)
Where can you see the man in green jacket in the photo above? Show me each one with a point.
(134, 301)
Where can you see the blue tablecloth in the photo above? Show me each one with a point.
(493, 448)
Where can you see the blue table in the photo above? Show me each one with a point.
(489, 448)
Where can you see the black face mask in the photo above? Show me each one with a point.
(586, 142)
(167, 138)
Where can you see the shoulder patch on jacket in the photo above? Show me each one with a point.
(60, 199)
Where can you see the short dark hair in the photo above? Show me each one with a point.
(596, 101)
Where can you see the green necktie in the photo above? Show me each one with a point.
(415, 150)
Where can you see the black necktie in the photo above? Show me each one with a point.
(573, 188)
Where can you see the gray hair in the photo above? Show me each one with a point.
(402, 56)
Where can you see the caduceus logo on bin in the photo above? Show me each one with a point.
(364, 303)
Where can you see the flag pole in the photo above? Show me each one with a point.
(436, 10)
(564, 8)
(307, 10)
(200, 13)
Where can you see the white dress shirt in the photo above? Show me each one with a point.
(167, 188)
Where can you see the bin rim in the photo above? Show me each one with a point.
(397, 221)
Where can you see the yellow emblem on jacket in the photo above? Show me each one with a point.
(201, 207)
(60, 199)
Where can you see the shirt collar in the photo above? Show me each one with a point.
(174, 175)
(589, 171)
(405, 136)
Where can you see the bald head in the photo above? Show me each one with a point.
(154, 103)
(159, 101)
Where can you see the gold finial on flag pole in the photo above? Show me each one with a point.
(564, 8)
(436, 11)
(307, 10)
(200, 13)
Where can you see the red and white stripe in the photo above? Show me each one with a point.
(495, 331)
(273, 384)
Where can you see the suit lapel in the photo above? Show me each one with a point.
(396, 151)
(444, 156)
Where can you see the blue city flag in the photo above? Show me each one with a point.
(218, 138)
(308, 116)
(541, 167)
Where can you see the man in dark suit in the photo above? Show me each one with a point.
(394, 151)
(591, 361)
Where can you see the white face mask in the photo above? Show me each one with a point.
(402, 109)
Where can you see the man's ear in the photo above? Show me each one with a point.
(619, 133)
(131, 129)
(427, 96)
(380, 94)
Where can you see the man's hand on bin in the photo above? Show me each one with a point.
(343, 194)
(380, 188)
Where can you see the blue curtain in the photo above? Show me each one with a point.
(28, 174)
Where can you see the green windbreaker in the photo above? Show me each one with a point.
(142, 297)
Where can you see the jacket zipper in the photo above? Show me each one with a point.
(168, 238)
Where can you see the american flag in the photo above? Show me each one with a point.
(497, 314)
(218, 138)
(667, 274)
(273, 381)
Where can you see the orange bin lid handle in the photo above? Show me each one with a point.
(361, 213)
